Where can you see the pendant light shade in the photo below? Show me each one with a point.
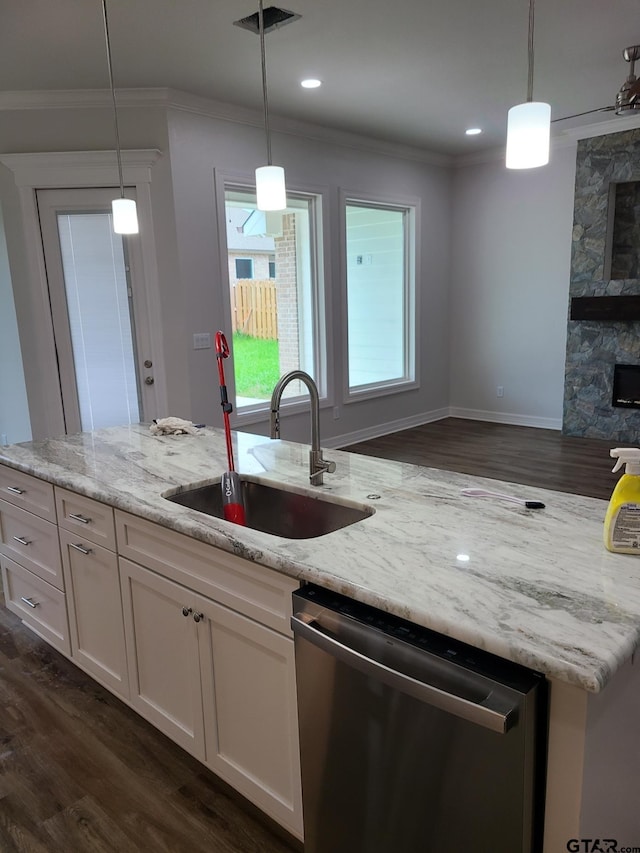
(529, 124)
(528, 135)
(271, 193)
(125, 214)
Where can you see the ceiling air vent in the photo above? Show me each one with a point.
(273, 19)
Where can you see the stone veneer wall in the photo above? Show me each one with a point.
(593, 347)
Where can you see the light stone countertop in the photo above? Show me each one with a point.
(538, 588)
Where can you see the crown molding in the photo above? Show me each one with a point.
(186, 102)
(80, 168)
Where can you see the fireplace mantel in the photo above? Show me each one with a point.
(605, 308)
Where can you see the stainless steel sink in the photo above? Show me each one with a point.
(280, 512)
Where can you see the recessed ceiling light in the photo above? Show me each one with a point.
(463, 558)
(473, 131)
(311, 83)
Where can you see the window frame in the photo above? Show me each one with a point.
(411, 206)
(320, 261)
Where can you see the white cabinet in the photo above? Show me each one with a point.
(250, 711)
(30, 556)
(210, 673)
(163, 656)
(195, 639)
(92, 584)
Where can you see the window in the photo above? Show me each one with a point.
(276, 322)
(380, 296)
(244, 268)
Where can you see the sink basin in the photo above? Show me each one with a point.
(280, 512)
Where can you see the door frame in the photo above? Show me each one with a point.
(92, 200)
(71, 170)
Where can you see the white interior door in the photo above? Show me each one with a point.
(98, 308)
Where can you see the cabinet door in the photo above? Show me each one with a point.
(249, 696)
(94, 603)
(162, 653)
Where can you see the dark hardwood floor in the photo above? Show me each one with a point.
(535, 457)
(82, 773)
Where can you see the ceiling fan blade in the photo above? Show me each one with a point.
(585, 113)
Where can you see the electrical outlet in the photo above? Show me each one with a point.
(336, 413)
(500, 391)
(202, 340)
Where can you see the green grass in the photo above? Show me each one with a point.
(257, 366)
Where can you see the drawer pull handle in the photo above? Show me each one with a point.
(80, 518)
(15, 490)
(81, 548)
(22, 540)
(30, 601)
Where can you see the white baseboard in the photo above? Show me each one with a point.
(386, 428)
(505, 418)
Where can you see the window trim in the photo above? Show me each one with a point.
(321, 265)
(412, 274)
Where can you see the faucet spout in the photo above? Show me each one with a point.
(317, 464)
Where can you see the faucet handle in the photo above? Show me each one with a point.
(318, 466)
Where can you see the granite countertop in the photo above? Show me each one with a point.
(538, 586)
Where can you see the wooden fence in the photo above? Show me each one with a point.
(254, 308)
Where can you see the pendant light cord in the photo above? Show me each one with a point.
(264, 80)
(530, 52)
(113, 95)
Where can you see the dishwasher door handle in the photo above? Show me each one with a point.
(497, 719)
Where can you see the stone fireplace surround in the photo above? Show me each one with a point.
(595, 346)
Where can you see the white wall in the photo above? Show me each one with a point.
(199, 145)
(510, 272)
(14, 410)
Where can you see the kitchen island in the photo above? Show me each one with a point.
(534, 586)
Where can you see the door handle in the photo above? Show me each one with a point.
(15, 490)
(497, 719)
(29, 601)
(81, 548)
(22, 540)
(80, 518)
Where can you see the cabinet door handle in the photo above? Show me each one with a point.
(22, 540)
(186, 611)
(30, 601)
(197, 617)
(80, 518)
(81, 548)
(15, 490)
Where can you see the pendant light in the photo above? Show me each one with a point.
(271, 193)
(125, 215)
(528, 124)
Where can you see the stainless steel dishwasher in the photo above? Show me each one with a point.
(411, 742)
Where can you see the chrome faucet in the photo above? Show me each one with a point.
(317, 465)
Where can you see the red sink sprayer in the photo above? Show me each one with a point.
(232, 503)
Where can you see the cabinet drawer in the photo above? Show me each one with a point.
(32, 541)
(27, 492)
(39, 605)
(256, 591)
(86, 517)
